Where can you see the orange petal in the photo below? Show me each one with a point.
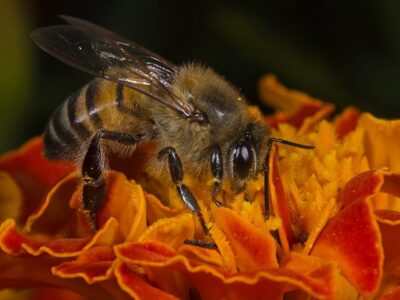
(353, 240)
(125, 202)
(93, 265)
(346, 122)
(254, 249)
(171, 281)
(14, 243)
(28, 272)
(170, 231)
(294, 107)
(29, 161)
(46, 218)
(150, 250)
(137, 287)
(279, 202)
(11, 197)
(381, 142)
(32, 172)
(202, 255)
(224, 258)
(321, 273)
(156, 210)
(224, 248)
(211, 283)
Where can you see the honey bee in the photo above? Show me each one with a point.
(199, 121)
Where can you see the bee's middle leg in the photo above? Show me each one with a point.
(94, 185)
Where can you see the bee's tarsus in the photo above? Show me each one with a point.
(202, 244)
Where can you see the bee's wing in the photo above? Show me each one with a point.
(102, 53)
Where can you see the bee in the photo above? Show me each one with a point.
(199, 122)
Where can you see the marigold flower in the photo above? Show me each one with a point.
(332, 235)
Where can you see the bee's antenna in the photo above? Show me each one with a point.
(290, 143)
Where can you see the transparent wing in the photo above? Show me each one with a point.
(102, 53)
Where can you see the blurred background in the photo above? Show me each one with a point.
(345, 52)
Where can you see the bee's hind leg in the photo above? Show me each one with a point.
(94, 185)
(176, 171)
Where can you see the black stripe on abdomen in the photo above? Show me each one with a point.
(52, 143)
(90, 98)
(79, 128)
(59, 139)
(62, 127)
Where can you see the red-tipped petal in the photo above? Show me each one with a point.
(352, 239)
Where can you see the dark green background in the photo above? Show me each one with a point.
(346, 52)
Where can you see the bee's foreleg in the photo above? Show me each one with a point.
(217, 173)
(176, 171)
(94, 186)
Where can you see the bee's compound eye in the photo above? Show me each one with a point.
(242, 160)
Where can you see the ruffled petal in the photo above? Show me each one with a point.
(33, 173)
(28, 272)
(93, 265)
(47, 219)
(137, 287)
(12, 242)
(212, 283)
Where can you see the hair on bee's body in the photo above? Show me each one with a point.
(199, 121)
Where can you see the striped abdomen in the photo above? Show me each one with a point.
(99, 105)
